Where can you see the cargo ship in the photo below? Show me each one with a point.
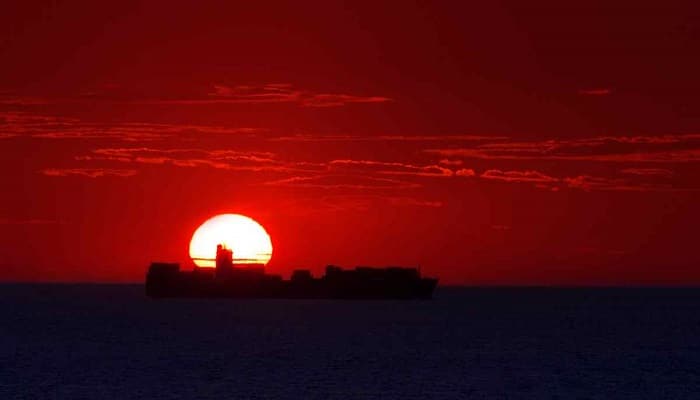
(247, 280)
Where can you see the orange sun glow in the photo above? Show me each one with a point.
(247, 238)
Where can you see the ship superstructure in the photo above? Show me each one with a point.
(247, 280)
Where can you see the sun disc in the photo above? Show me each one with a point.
(247, 238)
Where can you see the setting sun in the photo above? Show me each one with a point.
(247, 238)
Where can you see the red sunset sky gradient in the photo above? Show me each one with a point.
(505, 143)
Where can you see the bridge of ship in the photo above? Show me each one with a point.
(235, 260)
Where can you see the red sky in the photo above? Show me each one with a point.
(546, 143)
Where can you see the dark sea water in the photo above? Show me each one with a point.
(111, 342)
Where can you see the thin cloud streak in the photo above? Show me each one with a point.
(385, 138)
(24, 124)
(468, 172)
(589, 183)
(580, 182)
(287, 93)
(348, 202)
(394, 168)
(31, 221)
(595, 92)
(252, 161)
(338, 181)
(89, 172)
(648, 172)
(358, 174)
(271, 93)
(451, 162)
(518, 176)
(658, 149)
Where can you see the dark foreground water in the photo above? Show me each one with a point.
(109, 341)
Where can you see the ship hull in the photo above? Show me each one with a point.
(188, 285)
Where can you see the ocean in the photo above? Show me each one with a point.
(111, 342)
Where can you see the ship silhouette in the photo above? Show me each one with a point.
(249, 280)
